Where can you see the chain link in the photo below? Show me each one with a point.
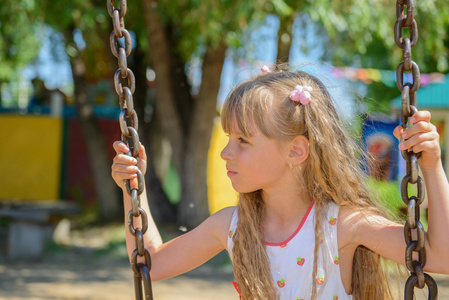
(413, 227)
(129, 128)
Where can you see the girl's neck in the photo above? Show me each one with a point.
(285, 206)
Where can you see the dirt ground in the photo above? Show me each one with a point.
(99, 280)
(93, 265)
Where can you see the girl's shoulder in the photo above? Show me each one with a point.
(365, 227)
(220, 222)
(350, 221)
(225, 213)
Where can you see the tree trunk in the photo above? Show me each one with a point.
(187, 127)
(165, 105)
(162, 210)
(99, 161)
(194, 208)
(284, 38)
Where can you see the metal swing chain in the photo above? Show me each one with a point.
(408, 98)
(129, 126)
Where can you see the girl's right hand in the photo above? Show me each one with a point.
(125, 166)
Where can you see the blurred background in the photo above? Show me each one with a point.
(61, 214)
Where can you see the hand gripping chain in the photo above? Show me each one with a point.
(408, 98)
(129, 126)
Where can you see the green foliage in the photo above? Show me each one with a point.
(389, 195)
(363, 31)
(382, 95)
(19, 26)
(282, 8)
(172, 185)
(360, 31)
(70, 14)
(91, 19)
(209, 22)
(65, 16)
(135, 22)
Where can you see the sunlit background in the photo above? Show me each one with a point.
(61, 224)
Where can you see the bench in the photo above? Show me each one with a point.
(25, 227)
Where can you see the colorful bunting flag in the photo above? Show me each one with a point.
(387, 77)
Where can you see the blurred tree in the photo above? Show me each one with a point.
(172, 32)
(86, 20)
(361, 33)
(19, 34)
(367, 40)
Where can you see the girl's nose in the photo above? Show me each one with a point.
(226, 153)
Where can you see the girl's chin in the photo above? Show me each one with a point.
(243, 190)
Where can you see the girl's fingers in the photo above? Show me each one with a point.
(123, 171)
(143, 159)
(420, 127)
(142, 153)
(421, 123)
(124, 159)
(397, 132)
(124, 168)
(119, 176)
(422, 137)
(427, 140)
(426, 146)
(122, 150)
(422, 115)
(120, 147)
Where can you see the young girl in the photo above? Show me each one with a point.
(305, 226)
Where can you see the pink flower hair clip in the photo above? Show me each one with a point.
(301, 94)
(265, 69)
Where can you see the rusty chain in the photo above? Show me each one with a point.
(413, 227)
(129, 128)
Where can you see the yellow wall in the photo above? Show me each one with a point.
(220, 191)
(30, 157)
(30, 161)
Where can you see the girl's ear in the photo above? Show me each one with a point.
(299, 150)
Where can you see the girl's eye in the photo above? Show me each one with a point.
(242, 140)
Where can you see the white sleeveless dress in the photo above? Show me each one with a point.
(291, 261)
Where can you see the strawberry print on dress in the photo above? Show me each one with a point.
(292, 266)
(300, 261)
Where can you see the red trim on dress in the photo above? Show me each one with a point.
(284, 243)
(237, 289)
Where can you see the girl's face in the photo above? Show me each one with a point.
(255, 162)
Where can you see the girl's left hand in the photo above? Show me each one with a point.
(423, 137)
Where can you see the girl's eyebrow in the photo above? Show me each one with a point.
(235, 130)
(240, 133)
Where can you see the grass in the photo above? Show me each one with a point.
(388, 192)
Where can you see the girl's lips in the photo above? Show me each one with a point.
(231, 173)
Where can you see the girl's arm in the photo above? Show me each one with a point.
(387, 237)
(181, 254)
(423, 137)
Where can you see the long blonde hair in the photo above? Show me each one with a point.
(332, 173)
